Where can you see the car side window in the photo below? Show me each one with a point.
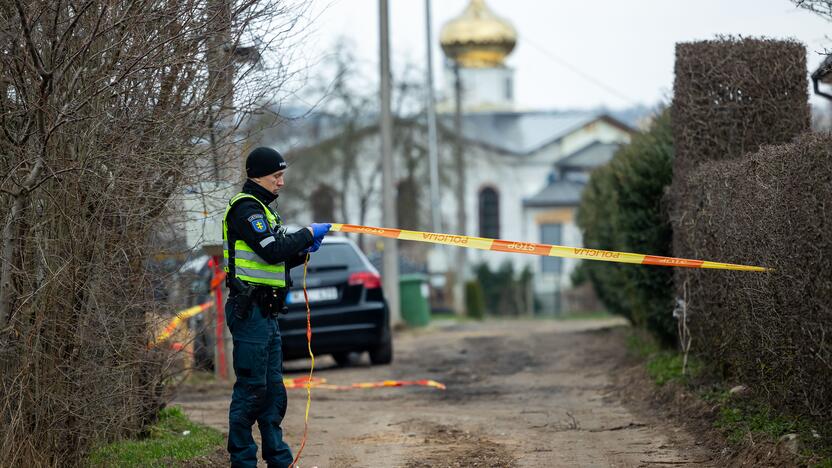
(334, 255)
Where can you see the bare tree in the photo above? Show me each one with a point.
(347, 158)
(105, 107)
(821, 7)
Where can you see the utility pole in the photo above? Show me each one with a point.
(433, 151)
(459, 160)
(220, 88)
(390, 254)
(221, 100)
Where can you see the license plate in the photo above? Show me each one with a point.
(315, 295)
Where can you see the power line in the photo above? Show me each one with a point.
(600, 84)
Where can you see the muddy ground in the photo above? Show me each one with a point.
(519, 393)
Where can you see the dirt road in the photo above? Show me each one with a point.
(519, 393)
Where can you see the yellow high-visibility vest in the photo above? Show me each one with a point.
(247, 265)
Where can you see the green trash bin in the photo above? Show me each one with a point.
(414, 299)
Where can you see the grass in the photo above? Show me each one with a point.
(739, 418)
(663, 366)
(172, 439)
(748, 419)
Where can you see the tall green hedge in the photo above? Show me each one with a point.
(624, 208)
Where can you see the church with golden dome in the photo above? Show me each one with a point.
(525, 169)
(476, 44)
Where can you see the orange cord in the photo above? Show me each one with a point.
(311, 368)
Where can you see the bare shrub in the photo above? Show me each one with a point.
(732, 96)
(107, 109)
(769, 331)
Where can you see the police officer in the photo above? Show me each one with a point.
(259, 254)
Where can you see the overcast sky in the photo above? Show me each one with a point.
(571, 53)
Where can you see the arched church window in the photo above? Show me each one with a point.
(489, 213)
(323, 204)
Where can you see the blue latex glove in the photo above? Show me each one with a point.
(319, 230)
(316, 244)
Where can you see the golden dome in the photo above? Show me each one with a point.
(478, 38)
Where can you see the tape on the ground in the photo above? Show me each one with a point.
(546, 250)
(319, 382)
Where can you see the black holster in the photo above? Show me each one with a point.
(243, 297)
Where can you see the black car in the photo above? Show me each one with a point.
(349, 312)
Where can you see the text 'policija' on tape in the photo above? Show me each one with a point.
(499, 245)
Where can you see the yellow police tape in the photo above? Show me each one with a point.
(499, 245)
(178, 319)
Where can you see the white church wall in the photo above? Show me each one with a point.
(512, 182)
(517, 177)
(482, 89)
(516, 181)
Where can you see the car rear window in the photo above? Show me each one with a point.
(336, 255)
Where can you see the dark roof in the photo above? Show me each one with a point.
(520, 132)
(561, 192)
(590, 156)
(523, 133)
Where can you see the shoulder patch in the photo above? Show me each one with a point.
(254, 216)
(259, 225)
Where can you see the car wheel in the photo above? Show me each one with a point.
(342, 359)
(383, 353)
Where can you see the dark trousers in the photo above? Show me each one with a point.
(259, 394)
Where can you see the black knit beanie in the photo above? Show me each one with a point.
(264, 161)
